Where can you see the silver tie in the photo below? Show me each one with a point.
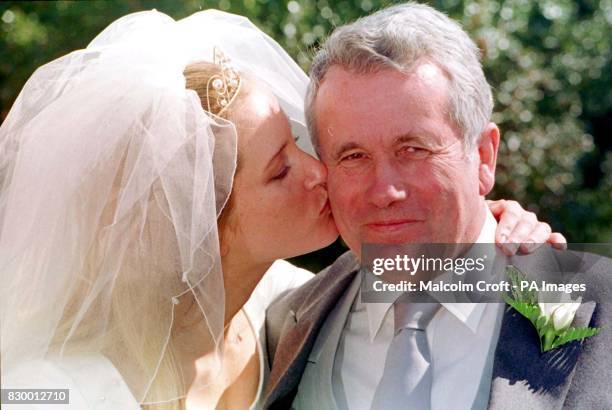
(407, 377)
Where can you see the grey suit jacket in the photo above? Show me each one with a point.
(577, 375)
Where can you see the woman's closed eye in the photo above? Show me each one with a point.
(282, 173)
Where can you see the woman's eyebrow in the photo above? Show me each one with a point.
(276, 155)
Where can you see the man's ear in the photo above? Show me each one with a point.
(487, 157)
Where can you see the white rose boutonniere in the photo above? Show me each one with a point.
(551, 320)
(562, 313)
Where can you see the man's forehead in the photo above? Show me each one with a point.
(423, 69)
(382, 105)
(343, 90)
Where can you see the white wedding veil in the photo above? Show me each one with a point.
(112, 178)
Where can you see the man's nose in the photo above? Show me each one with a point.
(387, 187)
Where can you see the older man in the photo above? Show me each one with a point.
(399, 110)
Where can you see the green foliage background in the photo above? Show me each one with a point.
(548, 62)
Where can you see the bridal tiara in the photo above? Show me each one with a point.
(226, 84)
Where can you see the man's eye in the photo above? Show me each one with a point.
(352, 157)
(414, 151)
(282, 174)
(411, 149)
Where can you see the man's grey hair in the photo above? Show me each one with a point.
(399, 37)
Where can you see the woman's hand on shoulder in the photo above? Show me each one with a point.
(520, 230)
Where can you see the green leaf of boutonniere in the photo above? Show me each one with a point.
(516, 277)
(572, 334)
(551, 320)
(529, 311)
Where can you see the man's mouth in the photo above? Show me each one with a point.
(391, 225)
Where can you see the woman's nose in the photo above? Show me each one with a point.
(316, 173)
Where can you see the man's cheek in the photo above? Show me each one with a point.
(340, 192)
(444, 176)
(334, 179)
(345, 215)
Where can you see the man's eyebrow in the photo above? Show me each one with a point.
(409, 137)
(343, 148)
(423, 137)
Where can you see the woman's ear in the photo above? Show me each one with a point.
(226, 228)
(223, 248)
(225, 237)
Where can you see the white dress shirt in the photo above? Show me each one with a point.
(459, 336)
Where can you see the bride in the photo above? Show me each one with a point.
(147, 185)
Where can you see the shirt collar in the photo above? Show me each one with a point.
(467, 313)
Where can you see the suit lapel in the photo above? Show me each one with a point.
(325, 348)
(300, 332)
(525, 378)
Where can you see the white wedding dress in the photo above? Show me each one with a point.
(93, 381)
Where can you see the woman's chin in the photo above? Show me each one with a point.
(303, 241)
(328, 241)
(308, 245)
(325, 240)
